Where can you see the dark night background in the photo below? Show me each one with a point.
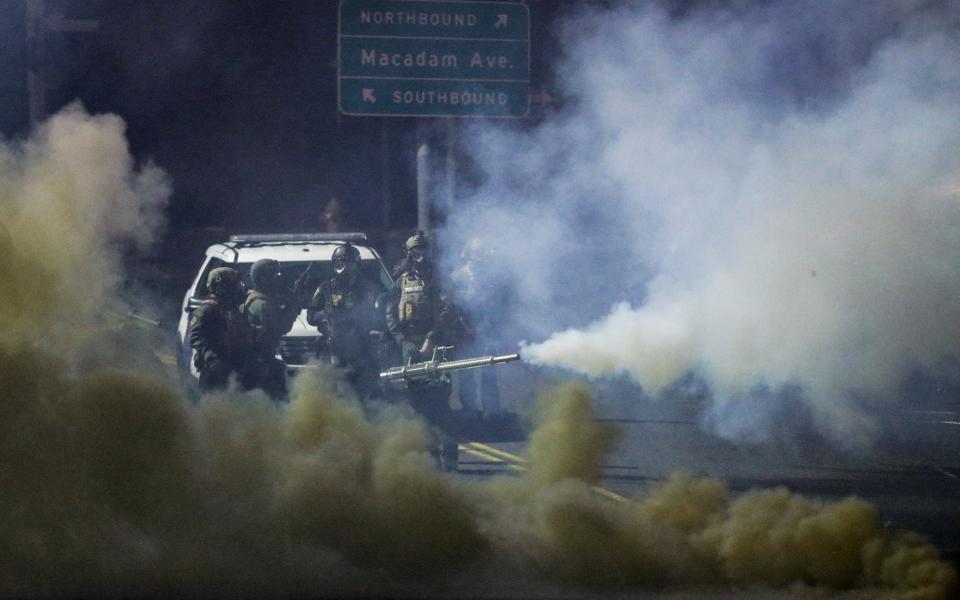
(236, 100)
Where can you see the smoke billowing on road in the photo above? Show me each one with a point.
(113, 482)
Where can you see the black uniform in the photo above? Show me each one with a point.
(223, 340)
(270, 317)
(344, 311)
(420, 312)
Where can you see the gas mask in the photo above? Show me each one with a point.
(420, 262)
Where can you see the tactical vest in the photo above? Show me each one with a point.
(252, 296)
(237, 337)
(417, 305)
(343, 301)
(344, 313)
(260, 334)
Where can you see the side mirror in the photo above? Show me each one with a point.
(193, 303)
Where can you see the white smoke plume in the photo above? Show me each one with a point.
(767, 194)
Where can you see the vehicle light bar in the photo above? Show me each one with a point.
(262, 238)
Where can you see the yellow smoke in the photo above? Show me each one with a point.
(68, 197)
(568, 444)
(689, 530)
(368, 489)
(112, 482)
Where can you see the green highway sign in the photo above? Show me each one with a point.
(435, 19)
(416, 98)
(433, 58)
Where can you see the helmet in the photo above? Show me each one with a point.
(223, 282)
(418, 254)
(265, 274)
(345, 259)
(417, 240)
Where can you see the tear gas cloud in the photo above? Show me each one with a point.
(767, 195)
(70, 201)
(113, 482)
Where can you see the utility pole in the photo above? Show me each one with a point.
(423, 188)
(385, 165)
(38, 23)
(36, 32)
(450, 181)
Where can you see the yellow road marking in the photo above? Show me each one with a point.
(489, 457)
(502, 456)
(498, 452)
(475, 452)
(167, 359)
(608, 494)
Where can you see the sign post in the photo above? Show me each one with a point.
(433, 58)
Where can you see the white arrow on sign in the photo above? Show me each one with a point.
(368, 96)
(541, 98)
(501, 22)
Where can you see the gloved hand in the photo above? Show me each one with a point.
(410, 349)
(427, 347)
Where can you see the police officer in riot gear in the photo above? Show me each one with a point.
(271, 310)
(420, 319)
(220, 335)
(343, 309)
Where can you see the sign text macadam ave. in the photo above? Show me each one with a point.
(434, 58)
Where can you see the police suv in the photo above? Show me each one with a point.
(300, 255)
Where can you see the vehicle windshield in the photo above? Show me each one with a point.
(320, 270)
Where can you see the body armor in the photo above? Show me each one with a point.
(271, 319)
(236, 337)
(223, 342)
(345, 314)
(417, 305)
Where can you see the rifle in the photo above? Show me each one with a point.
(297, 288)
(435, 372)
